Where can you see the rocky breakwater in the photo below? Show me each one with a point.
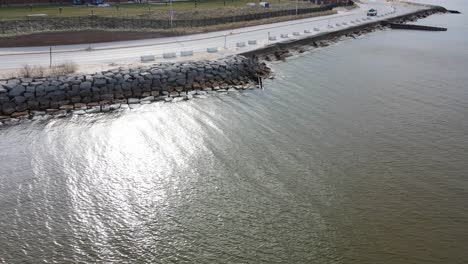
(27, 98)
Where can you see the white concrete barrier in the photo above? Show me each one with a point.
(169, 55)
(296, 34)
(212, 50)
(186, 53)
(147, 58)
(240, 44)
(252, 42)
(284, 36)
(272, 38)
(316, 29)
(306, 31)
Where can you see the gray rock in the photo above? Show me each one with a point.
(50, 88)
(133, 100)
(37, 113)
(134, 106)
(148, 98)
(60, 113)
(19, 99)
(86, 85)
(94, 109)
(124, 106)
(105, 108)
(31, 89)
(100, 82)
(17, 90)
(181, 81)
(11, 121)
(13, 82)
(113, 107)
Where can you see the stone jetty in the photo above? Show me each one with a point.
(24, 98)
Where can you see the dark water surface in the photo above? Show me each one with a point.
(355, 153)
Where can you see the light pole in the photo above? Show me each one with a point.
(297, 2)
(50, 57)
(171, 14)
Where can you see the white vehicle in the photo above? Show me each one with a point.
(372, 12)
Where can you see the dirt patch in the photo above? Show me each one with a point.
(77, 37)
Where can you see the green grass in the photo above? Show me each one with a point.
(142, 9)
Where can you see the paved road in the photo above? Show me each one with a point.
(226, 41)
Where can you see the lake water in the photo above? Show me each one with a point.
(355, 153)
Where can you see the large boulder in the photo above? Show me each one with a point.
(3, 89)
(101, 82)
(86, 85)
(17, 90)
(8, 108)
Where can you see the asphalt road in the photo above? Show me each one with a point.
(126, 52)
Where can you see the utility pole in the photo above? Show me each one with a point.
(225, 41)
(50, 57)
(172, 13)
(297, 2)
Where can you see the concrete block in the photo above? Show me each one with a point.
(296, 34)
(284, 36)
(169, 55)
(316, 29)
(306, 31)
(186, 53)
(147, 58)
(240, 44)
(252, 42)
(212, 50)
(272, 38)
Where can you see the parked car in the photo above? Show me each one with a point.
(372, 12)
(265, 4)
